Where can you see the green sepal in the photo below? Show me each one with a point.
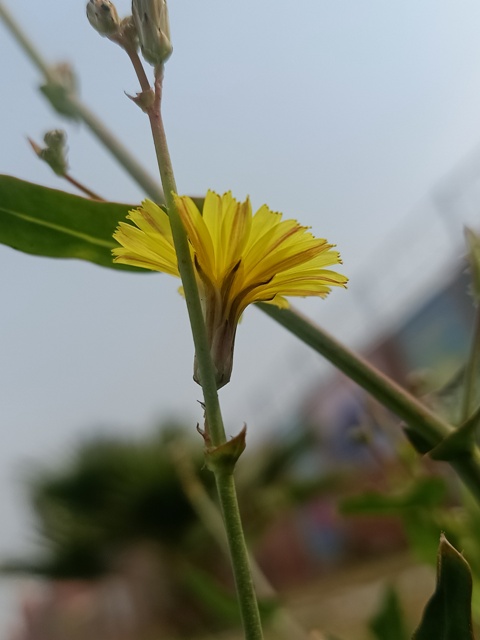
(447, 615)
(222, 459)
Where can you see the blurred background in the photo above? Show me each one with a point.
(359, 119)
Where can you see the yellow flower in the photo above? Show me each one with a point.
(239, 259)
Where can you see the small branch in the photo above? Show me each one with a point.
(78, 185)
(119, 152)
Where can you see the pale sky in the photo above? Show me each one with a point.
(342, 114)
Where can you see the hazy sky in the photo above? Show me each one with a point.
(342, 114)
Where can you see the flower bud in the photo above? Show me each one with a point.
(54, 153)
(103, 17)
(153, 29)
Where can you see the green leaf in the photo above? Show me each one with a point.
(447, 615)
(423, 493)
(52, 223)
(389, 622)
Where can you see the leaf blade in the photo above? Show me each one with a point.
(51, 223)
(447, 615)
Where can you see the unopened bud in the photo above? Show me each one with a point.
(61, 90)
(128, 33)
(153, 29)
(103, 17)
(54, 153)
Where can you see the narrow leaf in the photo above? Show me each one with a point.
(447, 615)
(47, 222)
(389, 622)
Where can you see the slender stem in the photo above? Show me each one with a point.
(432, 428)
(185, 267)
(25, 43)
(216, 431)
(239, 556)
(118, 151)
(81, 187)
(138, 66)
(208, 513)
(96, 126)
(471, 371)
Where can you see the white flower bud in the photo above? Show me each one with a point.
(103, 17)
(153, 29)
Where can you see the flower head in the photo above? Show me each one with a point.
(239, 259)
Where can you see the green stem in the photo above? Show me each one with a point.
(239, 556)
(96, 126)
(471, 371)
(216, 430)
(429, 426)
(25, 43)
(468, 469)
(389, 393)
(285, 625)
(118, 151)
(214, 421)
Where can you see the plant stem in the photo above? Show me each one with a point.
(25, 43)
(239, 556)
(471, 371)
(429, 426)
(285, 625)
(216, 431)
(96, 126)
(389, 393)
(118, 151)
(81, 187)
(185, 267)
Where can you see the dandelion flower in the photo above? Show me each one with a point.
(239, 259)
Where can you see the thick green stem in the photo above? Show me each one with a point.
(214, 421)
(76, 106)
(419, 418)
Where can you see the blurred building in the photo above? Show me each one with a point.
(356, 439)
